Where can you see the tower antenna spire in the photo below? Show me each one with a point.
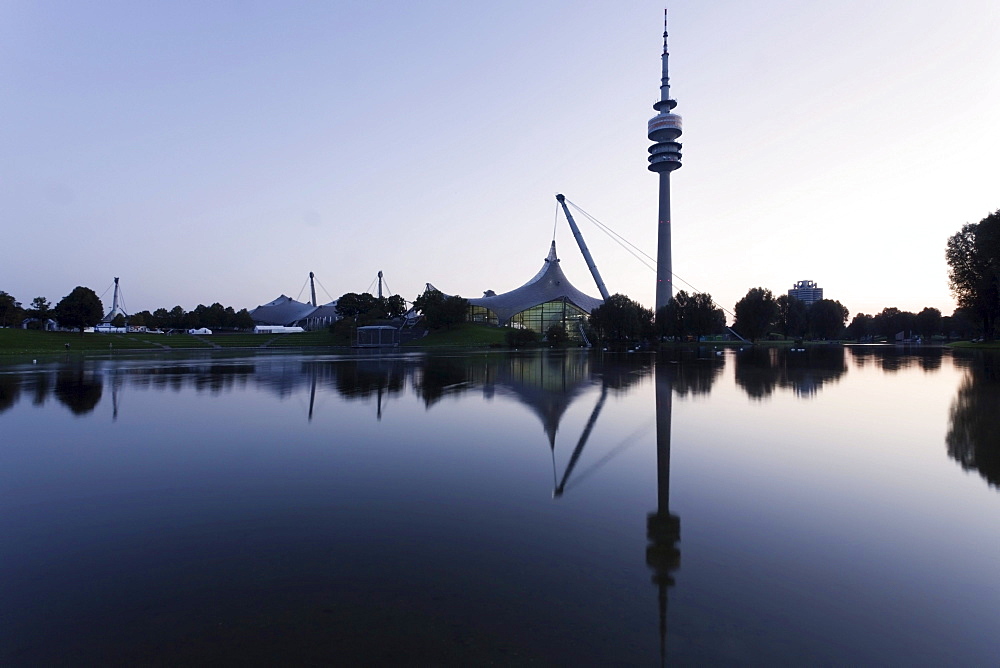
(664, 79)
(664, 157)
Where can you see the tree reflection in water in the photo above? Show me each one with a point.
(892, 358)
(974, 420)
(10, 391)
(761, 371)
(79, 388)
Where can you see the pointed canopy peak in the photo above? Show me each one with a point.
(552, 253)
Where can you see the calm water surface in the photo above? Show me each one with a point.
(838, 506)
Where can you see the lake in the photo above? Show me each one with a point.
(758, 506)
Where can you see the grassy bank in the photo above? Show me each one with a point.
(467, 334)
(32, 342)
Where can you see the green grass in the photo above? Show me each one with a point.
(238, 340)
(29, 341)
(321, 337)
(33, 342)
(465, 334)
(982, 345)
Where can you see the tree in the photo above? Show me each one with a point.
(892, 322)
(175, 318)
(395, 306)
(79, 309)
(973, 256)
(928, 323)
(756, 313)
(518, 337)
(861, 327)
(619, 319)
(118, 321)
(672, 319)
(695, 315)
(243, 320)
(827, 318)
(441, 311)
(705, 318)
(791, 319)
(40, 310)
(10, 309)
(556, 336)
(352, 304)
(960, 324)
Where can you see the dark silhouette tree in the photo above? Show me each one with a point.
(79, 309)
(892, 322)
(672, 319)
(791, 319)
(960, 324)
(861, 327)
(928, 323)
(756, 313)
(353, 304)
(41, 311)
(705, 318)
(556, 336)
(621, 320)
(10, 310)
(518, 337)
(973, 256)
(826, 319)
(441, 311)
(395, 306)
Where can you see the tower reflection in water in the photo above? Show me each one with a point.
(663, 528)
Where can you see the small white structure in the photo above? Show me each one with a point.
(276, 329)
(201, 330)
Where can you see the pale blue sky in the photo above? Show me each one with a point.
(220, 151)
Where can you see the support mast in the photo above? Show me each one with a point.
(664, 157)
(583, 249)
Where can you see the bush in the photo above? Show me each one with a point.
(556, 336)
(521, 338)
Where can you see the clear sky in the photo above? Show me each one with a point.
(220, 151)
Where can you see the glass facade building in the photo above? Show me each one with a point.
(547, 299)
(806, 291)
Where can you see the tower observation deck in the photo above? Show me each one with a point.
(664, 157)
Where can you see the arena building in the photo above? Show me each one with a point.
(547, 299)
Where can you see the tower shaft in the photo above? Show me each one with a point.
(664, 258)
(664, 157)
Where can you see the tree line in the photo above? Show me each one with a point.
(761, 315)
(82, 308)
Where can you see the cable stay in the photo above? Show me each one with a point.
(298, 297)
(635, 251)
(624, 445)
(325, 290)
(631, 248)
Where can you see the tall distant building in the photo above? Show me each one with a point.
(664, 157)
(806, 291)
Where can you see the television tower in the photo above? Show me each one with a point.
(664, 157)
